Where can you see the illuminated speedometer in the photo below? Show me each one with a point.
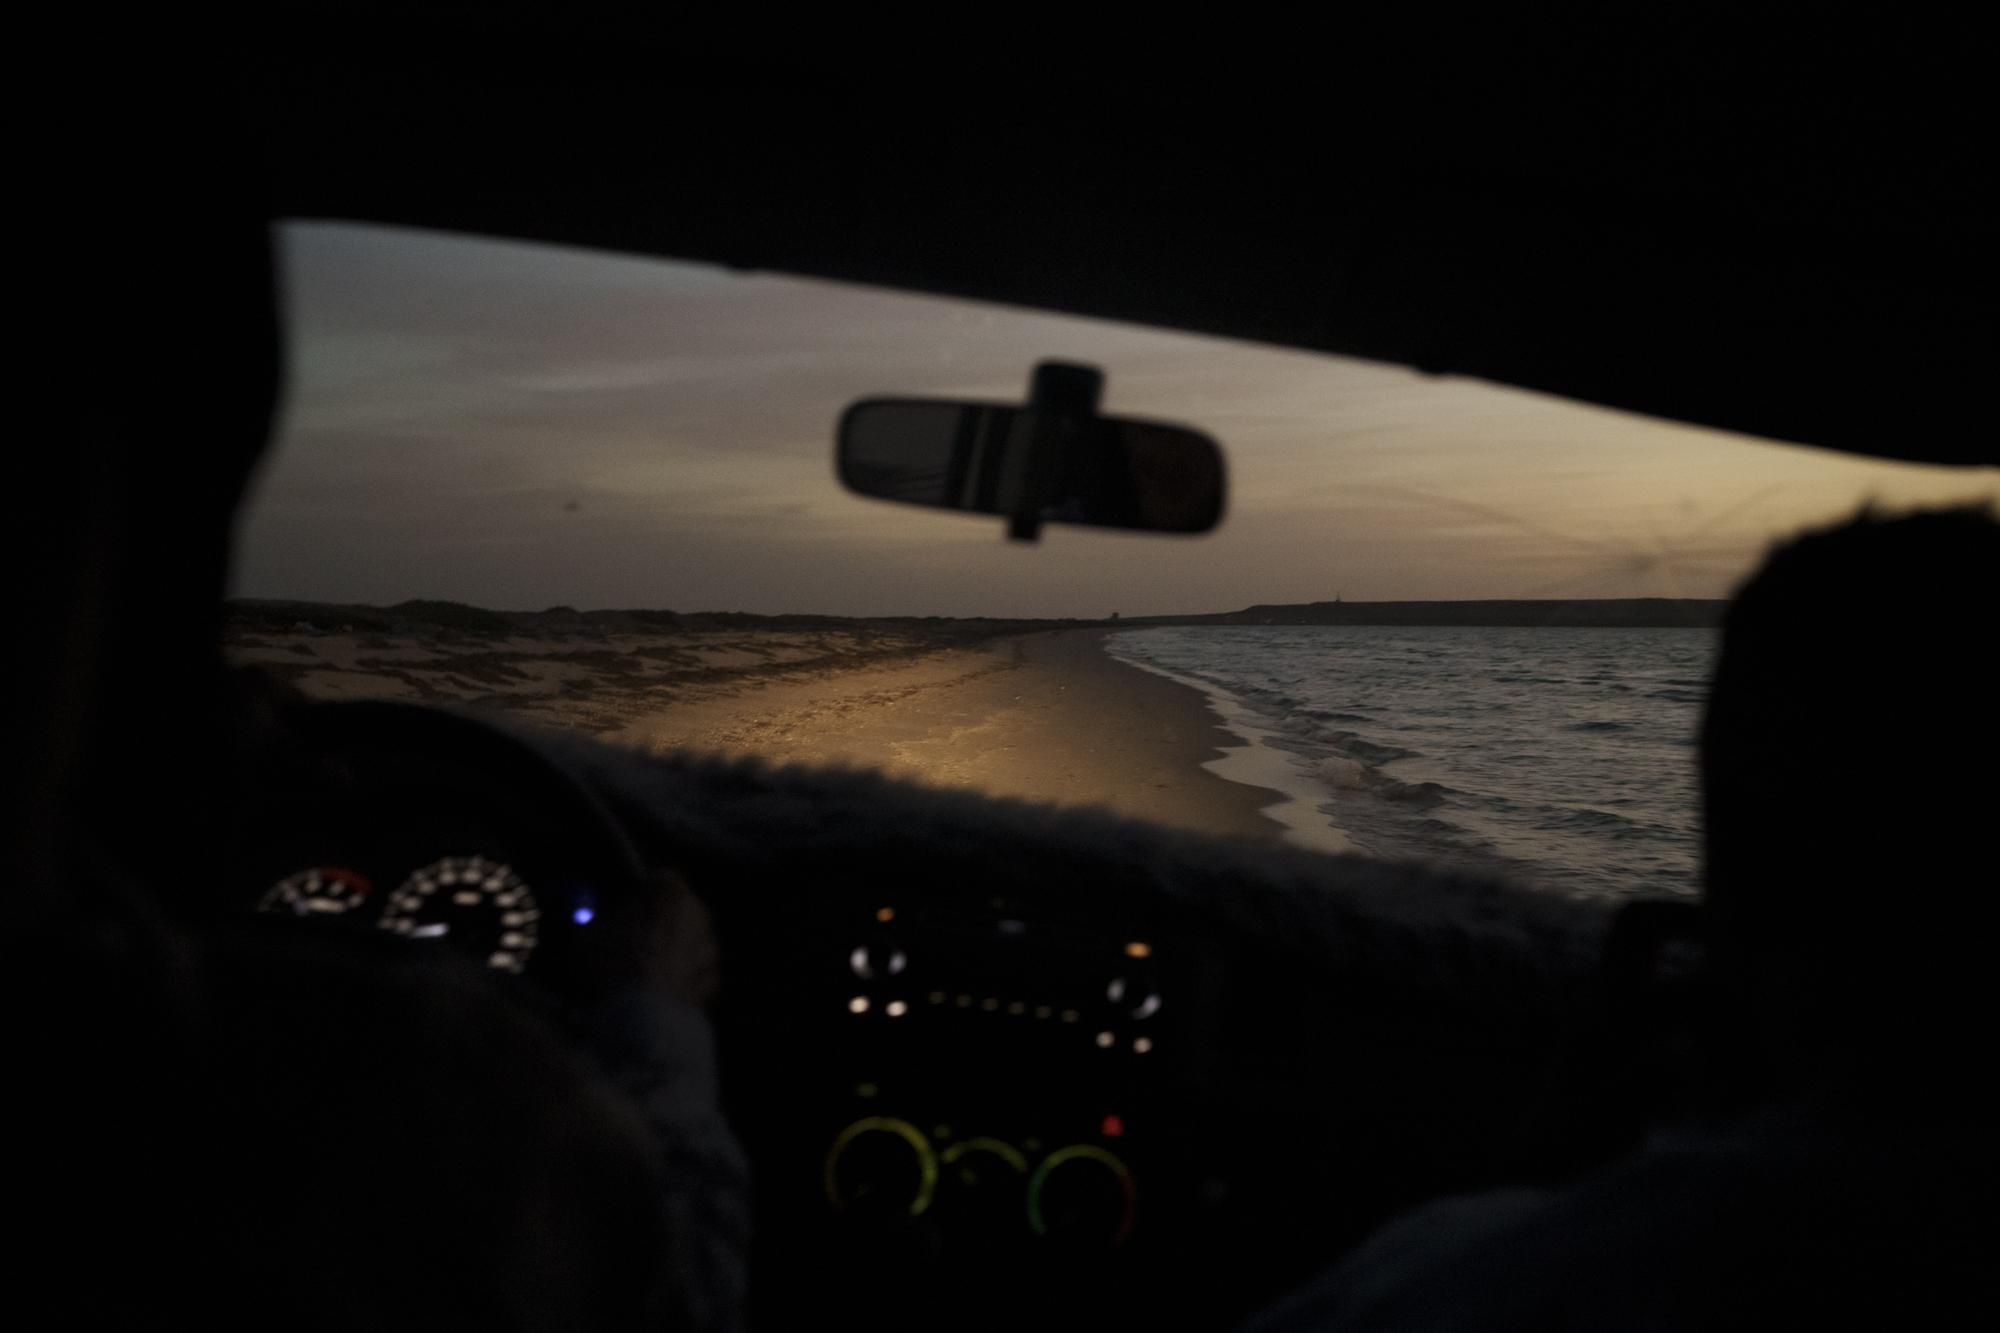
(479, 904)
(321, 891)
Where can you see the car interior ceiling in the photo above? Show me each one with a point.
(1690, 272)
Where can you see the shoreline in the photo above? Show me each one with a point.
(1043, 714)
(1255, 763)
(1051, 716)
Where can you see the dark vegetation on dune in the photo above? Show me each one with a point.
(430, 617)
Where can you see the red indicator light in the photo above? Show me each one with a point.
(1113, 1127)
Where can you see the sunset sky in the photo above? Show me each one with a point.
(520, 427)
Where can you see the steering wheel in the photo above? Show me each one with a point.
(446, 831)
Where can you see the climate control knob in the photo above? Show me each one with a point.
(1082, 1197)
(981, 1183)
(881, 1167)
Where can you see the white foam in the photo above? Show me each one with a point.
(1257, 763)
(1336, 771)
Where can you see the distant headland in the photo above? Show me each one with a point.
(1609, 613)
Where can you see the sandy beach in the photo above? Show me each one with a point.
(1044, 715)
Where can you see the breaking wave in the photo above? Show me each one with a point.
(1556, 756)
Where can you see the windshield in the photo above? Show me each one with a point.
(489, 447)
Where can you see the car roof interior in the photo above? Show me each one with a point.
(1727, 233)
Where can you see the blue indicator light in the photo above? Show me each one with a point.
(583, 916)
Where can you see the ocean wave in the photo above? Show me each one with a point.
(1355, 746)
(1317, 727)
(1334, 715)
(1418, 795)
(1569, 765)
(1265, 699)
(1342, 773)
(1345, 774)
(1448, 837)
(1597, 821)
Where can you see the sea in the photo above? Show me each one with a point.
(1560, 758)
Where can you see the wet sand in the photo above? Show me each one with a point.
(1044, 716)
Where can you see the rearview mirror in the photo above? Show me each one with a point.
(1053, 461)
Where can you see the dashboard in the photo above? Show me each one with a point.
(988, 1069)
(1085, 1016)
(984, 1095)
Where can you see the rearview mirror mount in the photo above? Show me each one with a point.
(1053, 461)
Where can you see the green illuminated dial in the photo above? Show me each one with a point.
(1082, 1195)
(881, 1167)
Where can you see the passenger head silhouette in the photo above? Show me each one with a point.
(1849, 795)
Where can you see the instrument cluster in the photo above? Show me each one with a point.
(441, 832)
(478, 904)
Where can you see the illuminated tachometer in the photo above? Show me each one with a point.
(479, 904)
(321, 891)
